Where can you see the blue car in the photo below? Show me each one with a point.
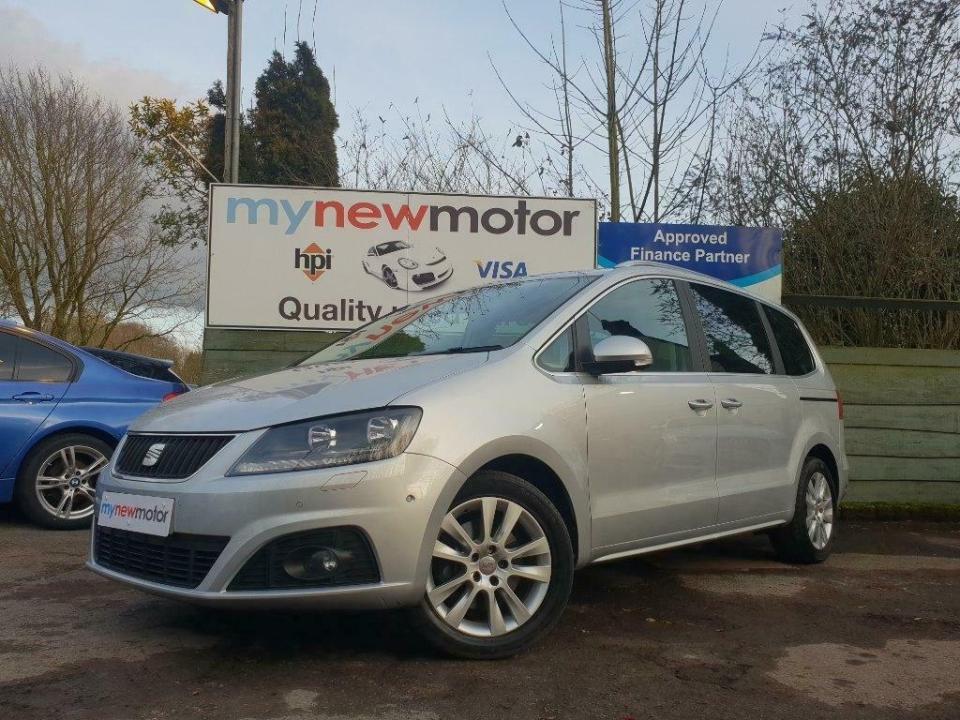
(63, 409)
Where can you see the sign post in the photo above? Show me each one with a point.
(233, 9)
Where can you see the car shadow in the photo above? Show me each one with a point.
(9, 515)
(283, 635)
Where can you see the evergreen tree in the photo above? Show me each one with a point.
(293, 123)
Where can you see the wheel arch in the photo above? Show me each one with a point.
(824, 453)
(554, 473)
(98, 432)
(541, 476)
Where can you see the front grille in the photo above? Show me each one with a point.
(175, 456)
(265, 571)
(179, 559)
(422, 278)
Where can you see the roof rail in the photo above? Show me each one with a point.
(647, 263)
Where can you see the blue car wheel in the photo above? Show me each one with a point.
(57, 483)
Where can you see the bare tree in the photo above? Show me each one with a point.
(646, 104)
(860, 88)
(78, 256)
(852, 144)
(413, 151)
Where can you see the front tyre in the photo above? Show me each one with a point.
(501, 572)
(57, 481)
(809, 537)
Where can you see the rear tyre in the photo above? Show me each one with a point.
(501, 572)
(57, 481)
(809, 537)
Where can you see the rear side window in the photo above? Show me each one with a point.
(736, 338)
(797, 358)
(648, 310)
(40, 364)
(136, 365)
(8, 353)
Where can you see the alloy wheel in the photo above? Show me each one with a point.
(67, 482)
(491, 567)
(819, 500)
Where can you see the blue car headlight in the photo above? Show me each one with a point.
(331, 441)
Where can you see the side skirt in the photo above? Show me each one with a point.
(687, 541)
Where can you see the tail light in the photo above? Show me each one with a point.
(171, 395)
(839, 406)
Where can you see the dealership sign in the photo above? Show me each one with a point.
(311, 258)
(748, 257)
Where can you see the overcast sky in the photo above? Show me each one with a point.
(377, 51)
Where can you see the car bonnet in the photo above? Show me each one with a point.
(301, 392)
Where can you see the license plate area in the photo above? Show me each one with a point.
(145, 514)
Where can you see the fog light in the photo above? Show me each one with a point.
(312, 563)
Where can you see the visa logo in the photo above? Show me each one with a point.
(501, 269)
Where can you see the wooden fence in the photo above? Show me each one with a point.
(229, 353)
(902, 422)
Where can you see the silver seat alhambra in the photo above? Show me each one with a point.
(463, 456)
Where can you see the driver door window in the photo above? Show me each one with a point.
(648, 310)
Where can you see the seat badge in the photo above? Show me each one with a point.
(152, 455)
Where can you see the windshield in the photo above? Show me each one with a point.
(392, 246)
(477, 320)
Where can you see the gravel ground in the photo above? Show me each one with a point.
(716, 631)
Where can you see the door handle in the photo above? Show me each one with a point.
(32, 397)
(731, 403)
(699, 404)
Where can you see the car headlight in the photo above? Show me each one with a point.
(408, 263)
(331, 441)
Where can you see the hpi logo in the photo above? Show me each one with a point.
(313, 260)
(501, 269)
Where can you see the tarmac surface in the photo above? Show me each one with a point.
(716, 631)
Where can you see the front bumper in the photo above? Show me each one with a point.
(398, 504)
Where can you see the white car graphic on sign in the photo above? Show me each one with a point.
(402, 267)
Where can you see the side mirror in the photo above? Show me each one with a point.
(618, 354)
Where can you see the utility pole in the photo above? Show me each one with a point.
(233, 9)
(231, 165)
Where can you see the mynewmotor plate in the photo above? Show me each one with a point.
(137, 513)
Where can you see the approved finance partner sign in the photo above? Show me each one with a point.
(311, 258)
(748, 257)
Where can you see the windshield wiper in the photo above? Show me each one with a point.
(475, 348)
